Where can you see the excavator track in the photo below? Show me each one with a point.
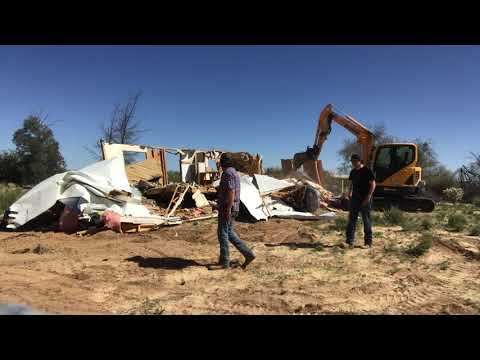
(410, 204)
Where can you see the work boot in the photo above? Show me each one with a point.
(367, 246)
(248, 260)
(219, 267)
(346, 246)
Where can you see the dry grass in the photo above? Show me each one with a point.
(8, 195)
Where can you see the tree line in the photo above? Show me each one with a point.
(37, 154)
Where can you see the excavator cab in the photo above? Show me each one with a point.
(392, 158)
(399, 178)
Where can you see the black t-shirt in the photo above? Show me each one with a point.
(361, 182)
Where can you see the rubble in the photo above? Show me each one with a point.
(200, 199)
(99, 197)
(265, 197)
(137, 197)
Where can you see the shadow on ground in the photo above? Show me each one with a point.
(168, 263)
(299, 245)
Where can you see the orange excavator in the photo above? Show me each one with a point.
(395, 165)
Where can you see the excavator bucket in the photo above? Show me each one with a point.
(312, 168)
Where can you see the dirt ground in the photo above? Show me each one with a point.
(299, 270)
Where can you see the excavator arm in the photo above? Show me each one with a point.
(364, 136)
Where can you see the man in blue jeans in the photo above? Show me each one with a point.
(362, 186)
(228, 207)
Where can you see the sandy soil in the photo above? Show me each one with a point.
(299, 270)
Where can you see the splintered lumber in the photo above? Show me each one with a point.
(137, 220)
(269, 214)
(132, 228)
(202, 217)
(160, 190)
(246, 163)
(200, 199)
(177, 198)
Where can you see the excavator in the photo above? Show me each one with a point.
(395, 165)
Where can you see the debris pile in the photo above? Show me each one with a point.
(296, 198)
(100, 197)
(137, 197)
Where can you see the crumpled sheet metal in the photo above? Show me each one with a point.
(261, 208)
(99, 179)
(267, 184)
(250, 197)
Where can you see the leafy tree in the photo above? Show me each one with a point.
(428, 158)
(438, 179)
(436, 175)
(37, 150)
(9, 167)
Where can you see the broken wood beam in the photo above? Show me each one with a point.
(177, 199)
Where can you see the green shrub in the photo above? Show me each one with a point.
(453, 194)
(443, 265)
(476, 201)
(377, 218)
(8, 195)
(475, 231)
(422, 247)
(394, 216)
(340, 224)
(438, 178)
(426, 224)
(456, 222)
(148, 307)
(440, 216)
(410, 225)
(391, 249)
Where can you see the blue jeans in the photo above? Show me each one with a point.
(227, 234)
(356, 208)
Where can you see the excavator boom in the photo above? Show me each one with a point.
(364, 136)
(324, 126)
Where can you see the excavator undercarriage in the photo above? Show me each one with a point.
(407, 203)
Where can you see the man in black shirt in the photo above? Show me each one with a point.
(362, 186)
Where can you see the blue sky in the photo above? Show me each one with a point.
(263, 99)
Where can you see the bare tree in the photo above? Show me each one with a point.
(122, 128)
(127, 129)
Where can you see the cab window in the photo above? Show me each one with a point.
(391, 159)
